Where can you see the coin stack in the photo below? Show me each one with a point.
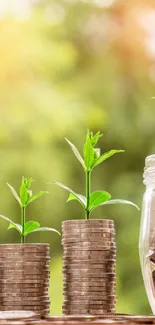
(89, 262)
(24, 277)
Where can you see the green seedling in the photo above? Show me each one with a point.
(24, 199)
(90, 160)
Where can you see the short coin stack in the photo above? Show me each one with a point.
(89, 267)
(24, 277)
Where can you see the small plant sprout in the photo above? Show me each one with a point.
(24, 199)
(91, 159)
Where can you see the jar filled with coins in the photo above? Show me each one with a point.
(147, 231)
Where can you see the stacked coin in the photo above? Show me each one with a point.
(89, 261)
(24, 277)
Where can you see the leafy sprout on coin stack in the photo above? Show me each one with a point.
(91, 159)
(26, 197)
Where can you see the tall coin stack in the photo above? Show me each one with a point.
(24, 277)
(89, 261)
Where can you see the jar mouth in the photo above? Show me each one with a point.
(150, 161)
(149, 171)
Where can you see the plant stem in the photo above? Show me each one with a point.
(23, 224)
(88, 181)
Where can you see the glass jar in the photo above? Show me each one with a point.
(147, 231)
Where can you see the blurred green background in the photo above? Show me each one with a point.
(66, 66)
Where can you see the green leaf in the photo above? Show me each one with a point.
(76, 152)
(79, 197)
(14, 193)
(46, 229)
(30, 226)
(73, 197)
(16, 225)
(97, 198)
(89, 154)
(24, 195)
(106, 156)
(36, 196)
(121, 202)
(94, 138)
(28, 182)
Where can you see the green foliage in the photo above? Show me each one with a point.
(97, 198)
(120, 202)
(30, 226)
(26, 197)
(76, 153)
(73, 195)
(105, 156)
(91, 159)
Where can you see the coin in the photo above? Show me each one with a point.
(87, 237)
(84, 232)
(93, 296)
(23, 302)
(11, 250)
(89, 296)
(105, 292)
(89, 262)
(23, 296)
(89, 254)
(90, 232)
(25, 246)
(87, 285)
(26, 257)
(107, 235)
(21, 277)
(105, 268)
(9, 278)
(89, 242)
(91, 249)
(90, 273)
(91, 305)
(19, 307)
(93, 242)
(92, 262)
(90, 288)
(24, 281)
(27, 292)
(89, 277)
(90, 283)
(87, 222)
(83, 296)
(26, 263)
(71, 266)
(7, 256)
(17, 315)
(69, 229)
(28, 269)
(71, 311)
(98, 285)
(105, 309)
(23, 286)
